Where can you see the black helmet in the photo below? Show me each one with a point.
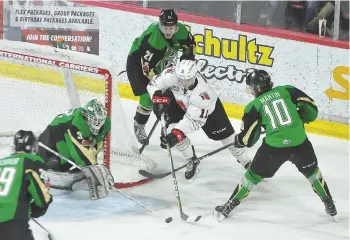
(168, 17)
(259, 81)
(24, 141)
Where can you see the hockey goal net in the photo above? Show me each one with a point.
(40, 82)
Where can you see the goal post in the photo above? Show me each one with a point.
(39, 82)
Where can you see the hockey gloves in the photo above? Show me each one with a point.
(238, 143)
(37, 211)
(160, 103)
(174, 137)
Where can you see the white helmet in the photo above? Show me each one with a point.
(186, 72)
(95, 115)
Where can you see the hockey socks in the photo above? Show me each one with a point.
(143, 112)
(241, 191)
(320, 187)
(187, 150)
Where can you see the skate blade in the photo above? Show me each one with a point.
(218, 216)
(194, 176)
(335, 218)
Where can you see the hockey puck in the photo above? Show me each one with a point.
(169, 220)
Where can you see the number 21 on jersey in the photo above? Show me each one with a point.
(7, 176)
(278, 113)
(148, 56)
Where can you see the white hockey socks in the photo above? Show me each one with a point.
(185, 147)
(239, 153)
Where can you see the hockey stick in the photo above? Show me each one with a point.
(149, 136)
(49, 235)
(121, 72)
(162, 175)
(75, 165)
(183, 216)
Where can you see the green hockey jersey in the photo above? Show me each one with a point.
(20, 185)
(282, 111)
(157, 52)
(73, 139)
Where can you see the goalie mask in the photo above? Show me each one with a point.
(95, 115)
(186, 73)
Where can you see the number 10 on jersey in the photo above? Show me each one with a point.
(280, 111)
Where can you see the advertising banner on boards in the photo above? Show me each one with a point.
(43, 22)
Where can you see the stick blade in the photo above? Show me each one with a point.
(145, 173)
(153, 176)
(187, 218)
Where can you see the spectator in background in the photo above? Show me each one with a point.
(311, 8)
(323, 10)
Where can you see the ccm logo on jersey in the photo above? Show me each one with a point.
(219, 131)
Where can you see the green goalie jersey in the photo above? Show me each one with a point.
(282, 111)
(21, 186)
(73, 139)
(157, 52)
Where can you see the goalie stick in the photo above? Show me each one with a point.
(162, 175)
(75, 165)
(183, 215)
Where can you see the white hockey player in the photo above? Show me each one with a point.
(192, 105)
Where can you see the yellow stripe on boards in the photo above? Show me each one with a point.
(50, 77)
(95, 85)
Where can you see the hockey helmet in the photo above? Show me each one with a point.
(25, 141)
(168, 22)
(186, 73)
(258, 82)
(94, 113)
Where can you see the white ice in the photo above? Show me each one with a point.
(283, 207)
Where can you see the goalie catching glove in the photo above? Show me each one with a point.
(160, 102)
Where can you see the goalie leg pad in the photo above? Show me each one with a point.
(99, 181)
(62, 180)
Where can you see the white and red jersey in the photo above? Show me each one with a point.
(198, 102)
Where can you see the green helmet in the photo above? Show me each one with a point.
(95, 115)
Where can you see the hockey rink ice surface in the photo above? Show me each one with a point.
(284, 207)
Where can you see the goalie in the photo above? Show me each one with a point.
(78, 135)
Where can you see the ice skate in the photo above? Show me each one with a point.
(140, 132)
(222, 212)
(330, 207)
(192, 169)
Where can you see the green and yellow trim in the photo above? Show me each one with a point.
(44, 190)
(86, 83)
